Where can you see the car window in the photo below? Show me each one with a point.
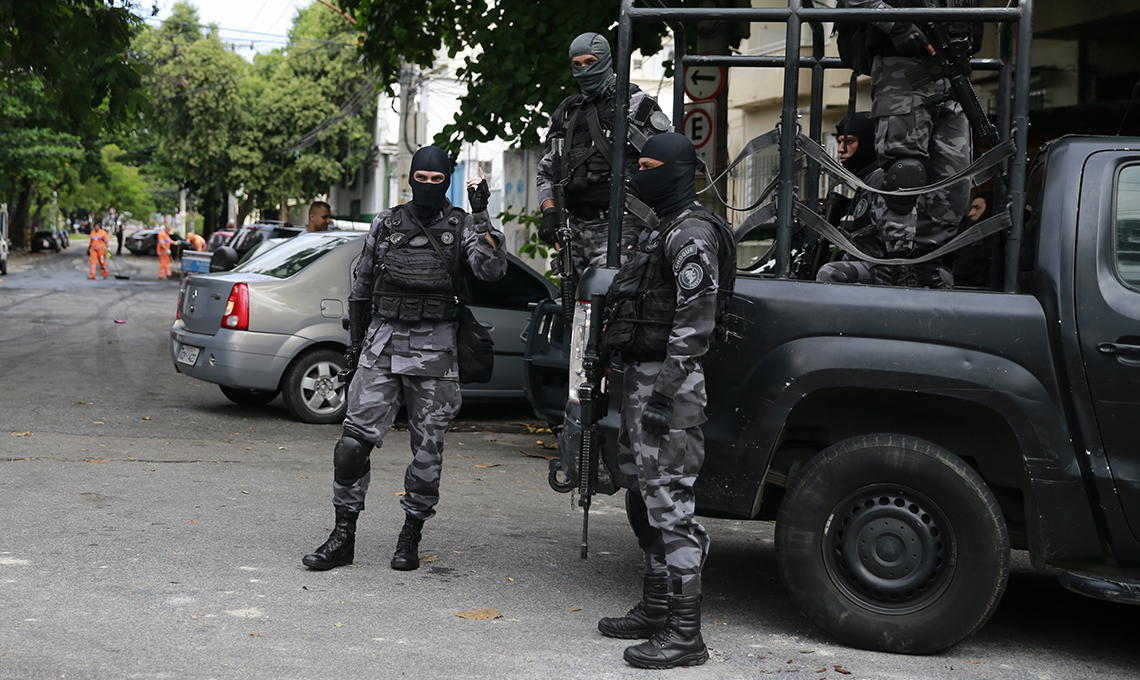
(516, 290)
(292, 256)
(1128, 225)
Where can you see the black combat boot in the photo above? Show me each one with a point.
(646, 618)
(679, 643)
(406, 557)
(339, 549)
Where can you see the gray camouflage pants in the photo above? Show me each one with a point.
(660, 472)
(938, 135)
(592, 239)
(374, 399)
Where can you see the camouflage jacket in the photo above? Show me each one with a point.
(424, 348)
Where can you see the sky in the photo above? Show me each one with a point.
(257, 24)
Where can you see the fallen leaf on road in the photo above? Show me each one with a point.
(255, 634)
(529, 428)
(576, 609)
(428, 558)
(480, 614)
(400, 493)
(510, 579)
(146, 417)
(22, 434)
(535, 455)
(822, 670)
(841, 669)
(96, 460)
(245, 492)
(487, 465)
(98, 422)
(338, 624)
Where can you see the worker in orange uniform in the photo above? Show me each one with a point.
(97, 249)
(163, 248)
(196, 241)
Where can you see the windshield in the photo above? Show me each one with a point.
(294, 255)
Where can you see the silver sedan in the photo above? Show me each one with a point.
(273, 325)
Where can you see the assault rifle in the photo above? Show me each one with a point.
(567, 285)
(951, 60)
(589, 398)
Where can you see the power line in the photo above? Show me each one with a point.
(349, 108)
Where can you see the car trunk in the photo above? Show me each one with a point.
(204, 302)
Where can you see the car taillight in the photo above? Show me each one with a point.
(579, 335)
(181, 293)
(236, 317)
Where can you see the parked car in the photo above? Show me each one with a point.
(145, 242)
(46, 239)
(273, 325)
(234, 251)
(217, 240)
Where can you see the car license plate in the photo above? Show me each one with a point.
(188, 355)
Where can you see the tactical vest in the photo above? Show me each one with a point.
(412, 283)
(586, 168)
(642, 300)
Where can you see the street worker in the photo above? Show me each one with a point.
(319, 217)
(856, 135)
(402, 313)
(579, 149)
(922, 137)
(97, 249)
(662, 311)
(196, 241)
(162, 247)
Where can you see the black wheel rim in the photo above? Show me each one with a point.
(890, 549)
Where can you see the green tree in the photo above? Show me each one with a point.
(120, 186)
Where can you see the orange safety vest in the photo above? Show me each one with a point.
(99, 239)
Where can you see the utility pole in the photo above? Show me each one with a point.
(406, 137)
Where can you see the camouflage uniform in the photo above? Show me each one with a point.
(937, 134)
(661, 470)
(590, 224)
(412, 364)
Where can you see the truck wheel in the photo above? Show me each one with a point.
(310, 388)
(892, 544)
(249, 397)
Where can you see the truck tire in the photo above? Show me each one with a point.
(892, 544)
(249, 397)
(310, 388)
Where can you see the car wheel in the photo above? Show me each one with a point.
(893, 544)
(152, 251)
(311, 390)
(248, 397)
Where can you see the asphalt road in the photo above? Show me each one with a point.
(151, 529)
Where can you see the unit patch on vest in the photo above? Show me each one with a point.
(447, 237)
(860, 208)
(686, 252)
(395, 238)
(418, 241)
(659, 121)
(691, 276)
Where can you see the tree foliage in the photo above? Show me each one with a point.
(119, 186)
(518, 70)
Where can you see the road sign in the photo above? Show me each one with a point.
(703, 82)
(700, 128)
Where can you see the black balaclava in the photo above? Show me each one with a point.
(592, 79)
(862, 127)
(427, 198)
(672, 186)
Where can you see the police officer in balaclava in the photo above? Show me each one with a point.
(579, 149)
(402, 320)
(663, 310)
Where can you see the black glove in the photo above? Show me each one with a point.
(910, 41)
(657, 415)
(548, 230)
(351, 358)
(478, 196)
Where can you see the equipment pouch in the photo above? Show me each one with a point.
(418, 269)
(620, 324)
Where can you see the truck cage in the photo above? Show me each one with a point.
(1012, 117)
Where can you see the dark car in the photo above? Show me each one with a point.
(145, 242)
(246, 238)
(47, 239)
(217, 240)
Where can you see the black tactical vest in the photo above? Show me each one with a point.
(587, 172)
(412, 283)
(642, 300)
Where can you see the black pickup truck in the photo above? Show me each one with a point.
(905, 440)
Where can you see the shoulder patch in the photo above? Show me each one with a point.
(686, 252)
(860, 208)
(691, 276)
(395, 238)
(659, 121)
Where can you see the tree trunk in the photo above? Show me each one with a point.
(19, 227)
(244, 209)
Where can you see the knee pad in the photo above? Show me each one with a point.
(350, 459)
(907, 173)
(638, 516)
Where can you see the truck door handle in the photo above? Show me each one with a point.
(1118, 348)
